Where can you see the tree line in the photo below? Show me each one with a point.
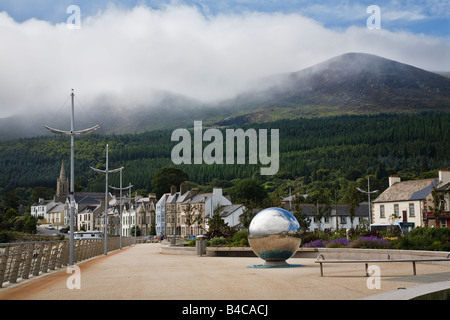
(315, 153)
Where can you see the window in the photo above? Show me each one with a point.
(411, 210)
(343, 220)
(396, 210)
(382, 214)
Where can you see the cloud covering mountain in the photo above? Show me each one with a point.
(125, 57)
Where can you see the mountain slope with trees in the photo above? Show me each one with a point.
(327, 152)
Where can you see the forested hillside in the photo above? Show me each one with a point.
(314, 153)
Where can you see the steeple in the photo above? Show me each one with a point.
(62, 185)
(62, 173)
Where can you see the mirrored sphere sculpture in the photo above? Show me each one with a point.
(273, 235)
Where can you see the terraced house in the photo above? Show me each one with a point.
(185, 213)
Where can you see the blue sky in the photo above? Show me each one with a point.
(130, 51)
(419, 17)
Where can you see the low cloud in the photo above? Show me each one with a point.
(129, 54)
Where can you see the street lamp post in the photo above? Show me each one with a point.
(120, 208)
(129, 215)
(106, 171)
(72, 133)
(368, 192)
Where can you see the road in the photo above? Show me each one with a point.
(42, 230)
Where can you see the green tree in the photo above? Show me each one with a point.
(353, 197)
(217, 227)
(165, 178)
(190, 217)
(40, 192)
(301, 217)
(10, 215)
(138, 231)
(438, 206)
(11, 199)
(247, 192)
(30, 224)
(322, 198)
(247, 215)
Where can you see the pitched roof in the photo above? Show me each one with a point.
(163, 199)
(408, 190)
(58, 208)
(342, 209)
(229, 209)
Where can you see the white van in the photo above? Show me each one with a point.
(394, 228)
(79, 235)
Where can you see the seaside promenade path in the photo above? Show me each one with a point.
(142, 272)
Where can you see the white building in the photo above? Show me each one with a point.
(407, 202)
(177, 213)
(160, 215)
(40, 209)
(231, 214)
(128, 219)
(55, 215)
(82, 200)
(339, 217)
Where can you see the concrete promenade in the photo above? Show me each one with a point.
(143, 272)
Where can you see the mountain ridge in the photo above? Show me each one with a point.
(352, 83)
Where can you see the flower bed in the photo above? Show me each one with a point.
(371, 242)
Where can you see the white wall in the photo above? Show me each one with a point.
(402, 206)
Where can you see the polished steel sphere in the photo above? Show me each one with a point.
(273, 235)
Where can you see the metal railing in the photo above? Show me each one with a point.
(26, 259)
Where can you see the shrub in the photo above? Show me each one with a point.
(219, 241)
(240, 238)
(338, 243)
(6, 236)
(371, 242)
(319, 243)
(436, 239)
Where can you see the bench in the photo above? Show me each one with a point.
(321, 259)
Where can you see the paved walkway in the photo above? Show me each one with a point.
(143, 272)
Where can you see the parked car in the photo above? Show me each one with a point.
(50, 227)
(64, 230)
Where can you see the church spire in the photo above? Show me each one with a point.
(62, 185)
(62, 174)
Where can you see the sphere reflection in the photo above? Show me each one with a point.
(273, 235)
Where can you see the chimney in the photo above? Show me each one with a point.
(444, 176)
(173, 189)
(217, 191)
(393, 178)
(183, 188)
(194, 192)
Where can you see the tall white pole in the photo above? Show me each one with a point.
(72, 187)
(120, 213)
(106, 195)
(72, 134)
(135, 216)
(121, 206)
(106, 203)
(368, 195)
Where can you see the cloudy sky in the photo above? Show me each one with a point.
(203, 49)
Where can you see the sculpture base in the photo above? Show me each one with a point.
(275, 264)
